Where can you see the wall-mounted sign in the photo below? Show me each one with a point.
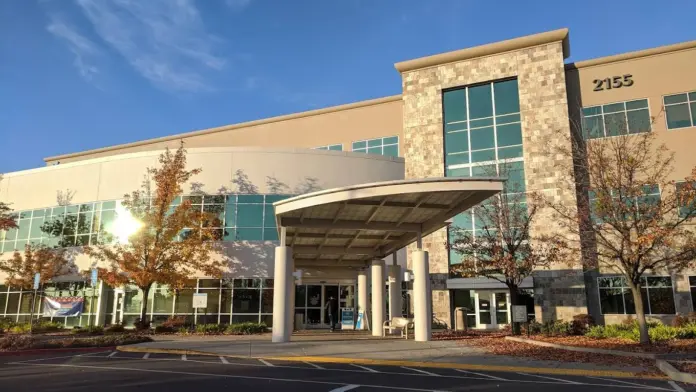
(200, 300)
(613, 82)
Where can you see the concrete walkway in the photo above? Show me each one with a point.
(330, 346)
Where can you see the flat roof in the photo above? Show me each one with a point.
(349, 226)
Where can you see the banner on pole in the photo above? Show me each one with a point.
(37, 280)
(62, 306)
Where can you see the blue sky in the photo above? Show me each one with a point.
(82, 74)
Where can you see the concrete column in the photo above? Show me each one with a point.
(291, 296)
(422, 298)
(281, 294)
(378, 305)
(395, 276)
(362, 296)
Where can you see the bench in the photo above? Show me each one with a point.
(398, 323)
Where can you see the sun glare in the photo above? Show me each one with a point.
(125, 225)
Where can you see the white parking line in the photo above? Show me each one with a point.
(344, 389)
(365, 368)
(421, 371)
(615, 380)
(230, 376)
(112, 354)
(550, 378)
(311, 364)
(265, 362)
(224, 360)
(183, 357)
(146, 356)
(482, 375)
(676, 387)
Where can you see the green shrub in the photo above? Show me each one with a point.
(534, 328)
(6, 323)
(44, 326)
(556, 328)
(210, 328)
(183, 330)
(20, 328)
(687, 331)
(662, 333)
(248, 328)
(163, 329)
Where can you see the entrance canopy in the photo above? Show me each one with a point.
(349, 226)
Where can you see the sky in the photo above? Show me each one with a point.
(84, 74)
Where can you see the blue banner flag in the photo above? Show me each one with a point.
(62, 306)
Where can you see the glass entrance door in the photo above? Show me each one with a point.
(330, 291)
(492, 309)
(315, 302)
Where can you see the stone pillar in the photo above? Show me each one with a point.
(362, 296)
(378, 305)
(281, 294)
(422, 299)
(395, 276)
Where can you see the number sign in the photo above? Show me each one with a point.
(613, 82)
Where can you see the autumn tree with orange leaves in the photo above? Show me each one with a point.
(21, 267)
(633, 213)
(503, 248)
(172, 244)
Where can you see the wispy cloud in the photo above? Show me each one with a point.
(83, 48)
(165, 41)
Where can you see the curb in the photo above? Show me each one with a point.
(583, 349)
(39, 351)
(675, 374)
(393, 362)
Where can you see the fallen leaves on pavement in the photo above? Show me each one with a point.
(666, 347)
(686, 367)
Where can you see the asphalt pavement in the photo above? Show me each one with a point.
(125, 371)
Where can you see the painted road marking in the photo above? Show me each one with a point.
(411, 374)
(224, 360)
(421, 371)
(48, 359)
(622, 382)
(482, 375)
(183, 357)
(146, 356)
(232, 376)
(551, 378)
(311, 364)
(112, 354)
(365, 367)
(344, 389)
(676, 386)
(263, 361)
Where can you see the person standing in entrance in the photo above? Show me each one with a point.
(332, 308)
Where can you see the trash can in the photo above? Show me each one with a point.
(460, 319)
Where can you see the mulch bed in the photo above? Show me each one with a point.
(685, 367)
(683, 346)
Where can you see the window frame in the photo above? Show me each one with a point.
(688, 103)
(364, 150)
(328, 147)
(601, 115)
(646, 286)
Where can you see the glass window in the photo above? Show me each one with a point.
(184, 301)
(250, 215)
(616, 119)
(509, 135)
(480, 101)
(247, 234)
(246, 300)
(455, 105)
(656, 291)
(482, 138)
(132, 301)
(681, 110)
(506, 97)
(331, 147)
(387, 146)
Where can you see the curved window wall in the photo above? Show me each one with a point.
(240, 217)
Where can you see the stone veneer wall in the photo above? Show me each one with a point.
(543, 104)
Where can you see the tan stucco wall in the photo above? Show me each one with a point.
(337, 125)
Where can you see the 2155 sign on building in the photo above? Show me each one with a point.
(613, 82)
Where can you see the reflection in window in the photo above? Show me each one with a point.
(681, 110)
(387, 146)
(616, 119)
(616, 297)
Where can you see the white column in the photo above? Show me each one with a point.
(378, 305)
(395, 277)
(281, 294)
(362, 296)
(422, 298)
(291, 297)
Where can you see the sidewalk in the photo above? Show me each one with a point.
(390, 351)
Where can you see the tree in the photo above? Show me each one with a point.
(172, 243)
(504, 248)
(632, 217)
(7, 220)
(21, 267)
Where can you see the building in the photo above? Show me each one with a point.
(458, 112)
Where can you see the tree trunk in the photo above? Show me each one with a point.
(514, 300)
(640, 314)
(143, 309)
